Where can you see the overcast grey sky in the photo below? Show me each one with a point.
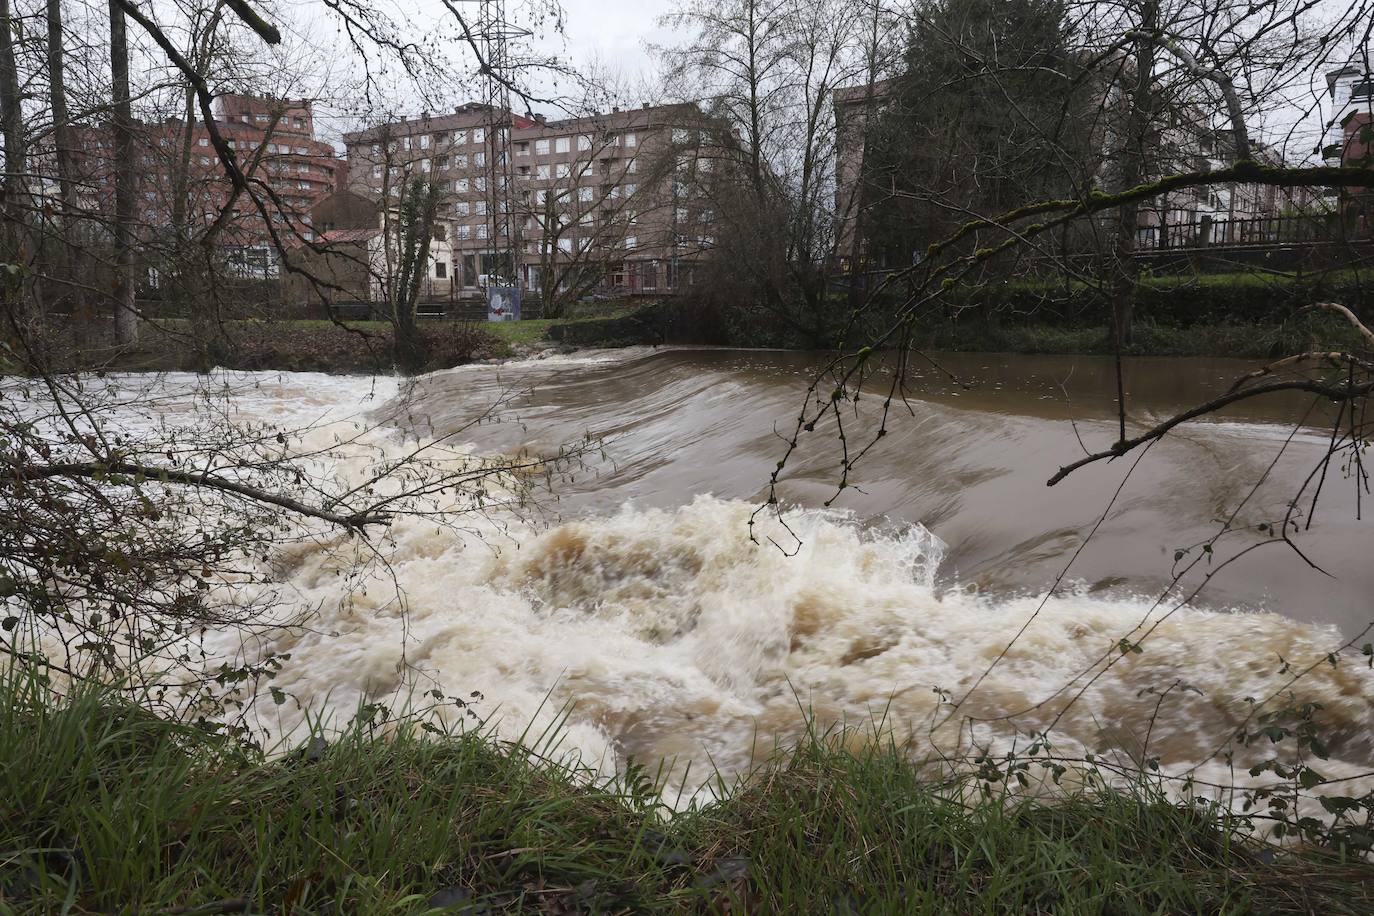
(615, 31)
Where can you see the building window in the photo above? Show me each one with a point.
(440, 270)
(302, 151)
(631, 241)
(464, 232)
(630, 189)
(584, 195)
(541, 147)
(628, 139)
(424, 141)
(561, 144)
(441, 162)
(481, 208)
(480, 183)
(376, 149)
(479, 159)
(522, 149)
(461, 185)
(405, 143)
(460, 161)
(482, 231)
(461, 208)
(203, 141)
(479, 135)
(562, 170)
(584, 142)
(541, 171)
(424, 165)
(565, 245)
(632, 166)
(1362, 90)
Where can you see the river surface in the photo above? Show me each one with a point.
(949, 600)
(969, 462)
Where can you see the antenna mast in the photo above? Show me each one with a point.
(495, 34)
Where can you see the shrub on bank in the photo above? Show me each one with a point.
(1239, 314)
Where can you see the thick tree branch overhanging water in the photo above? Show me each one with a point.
(105, 470)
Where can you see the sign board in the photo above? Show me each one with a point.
(503, 303)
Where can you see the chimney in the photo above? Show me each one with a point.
(615, 109)
(539, 119)
(646, 106)
(424, 116)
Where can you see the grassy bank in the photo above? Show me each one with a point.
(107, 809)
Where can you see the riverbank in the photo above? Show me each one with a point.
(365, 346)
(105, 808)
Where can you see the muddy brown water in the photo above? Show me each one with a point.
(969, 460)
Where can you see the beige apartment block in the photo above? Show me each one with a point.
(604, 202)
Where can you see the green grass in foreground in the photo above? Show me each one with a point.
(104, 808)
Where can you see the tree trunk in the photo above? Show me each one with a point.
(1132, 172)
(12, 126)
(126, 318)
(415, 229)
(67, 219)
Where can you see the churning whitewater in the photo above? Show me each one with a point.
(660, 632)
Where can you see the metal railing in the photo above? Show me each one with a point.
(1250, 232)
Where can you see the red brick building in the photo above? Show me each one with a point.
(178, 170)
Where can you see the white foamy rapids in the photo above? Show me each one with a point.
(669, 634)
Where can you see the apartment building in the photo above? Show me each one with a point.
(589, 202)
(854, 108)
(178, 170)
(1349, 136)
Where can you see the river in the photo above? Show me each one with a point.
(949, 600)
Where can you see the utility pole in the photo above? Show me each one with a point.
(494, 33)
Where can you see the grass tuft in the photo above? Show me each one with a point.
(107, 809)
